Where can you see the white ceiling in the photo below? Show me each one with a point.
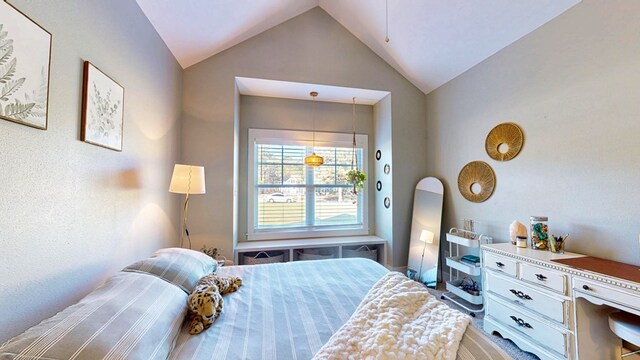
(301, 91)
(431, 41)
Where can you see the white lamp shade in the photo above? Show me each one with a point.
(426, 236)
(187, 179)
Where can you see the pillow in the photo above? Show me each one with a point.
(131, 316)
(181, 267)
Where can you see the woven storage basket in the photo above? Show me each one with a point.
(316, 254)
(263, 257)
(363, 252)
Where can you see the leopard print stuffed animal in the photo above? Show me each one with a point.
(205, 301)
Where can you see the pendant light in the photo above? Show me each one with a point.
(313, 159)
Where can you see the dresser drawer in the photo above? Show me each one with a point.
(523, 295)
(534, 328)
(550, 279)
(500, 263)
(608, 293)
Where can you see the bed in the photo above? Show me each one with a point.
(282, 311)
(289, 310)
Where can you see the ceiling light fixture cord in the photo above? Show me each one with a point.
(386, 38)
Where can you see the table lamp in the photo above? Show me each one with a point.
(187, 179)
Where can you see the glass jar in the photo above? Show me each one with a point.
(539, 232)
(556, 244)
(521, 241)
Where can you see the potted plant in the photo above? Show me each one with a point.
(213, 252)
(357, 178)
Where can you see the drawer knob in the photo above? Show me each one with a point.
(541, 277)
(514, 291)
(586, 287)
(499, 264)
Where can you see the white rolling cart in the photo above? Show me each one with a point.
(473, 302)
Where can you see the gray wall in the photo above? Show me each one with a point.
(310, 48)
(573, 86)
(73, 213)
(286, 114)
(382, 129)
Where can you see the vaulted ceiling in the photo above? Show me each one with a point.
(431, 41)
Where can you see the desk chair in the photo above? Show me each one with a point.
(627, 327)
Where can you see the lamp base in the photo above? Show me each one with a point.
(185, 230)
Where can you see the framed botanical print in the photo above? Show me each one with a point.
(102, 109)
(25, 56)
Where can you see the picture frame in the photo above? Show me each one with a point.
(102, 109)
(25, 68)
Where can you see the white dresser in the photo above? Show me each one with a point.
(557, 305)
(528, 299)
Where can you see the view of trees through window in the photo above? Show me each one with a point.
(291, 194)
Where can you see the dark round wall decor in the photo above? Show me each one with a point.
(378, 155)
(379, 185)
(387, 202)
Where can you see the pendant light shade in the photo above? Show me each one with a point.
(313, 159)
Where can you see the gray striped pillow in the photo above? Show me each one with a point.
(181, 267)
(131, 316)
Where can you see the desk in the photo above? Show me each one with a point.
(578, 293)
(600, 287)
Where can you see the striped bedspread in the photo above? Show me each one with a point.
(282, 311)
(289, 310)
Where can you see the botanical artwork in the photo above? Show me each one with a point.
(24, 68)
(103, 111)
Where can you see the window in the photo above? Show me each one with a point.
(287, 199)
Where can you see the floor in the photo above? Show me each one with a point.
(477, 322)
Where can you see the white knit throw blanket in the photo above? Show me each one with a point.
(398, 319)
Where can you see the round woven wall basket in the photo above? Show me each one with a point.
(504, 142)
(476, 181)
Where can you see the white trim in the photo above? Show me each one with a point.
(294, 137)
(283, 234)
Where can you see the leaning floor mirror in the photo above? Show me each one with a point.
(424, 245)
